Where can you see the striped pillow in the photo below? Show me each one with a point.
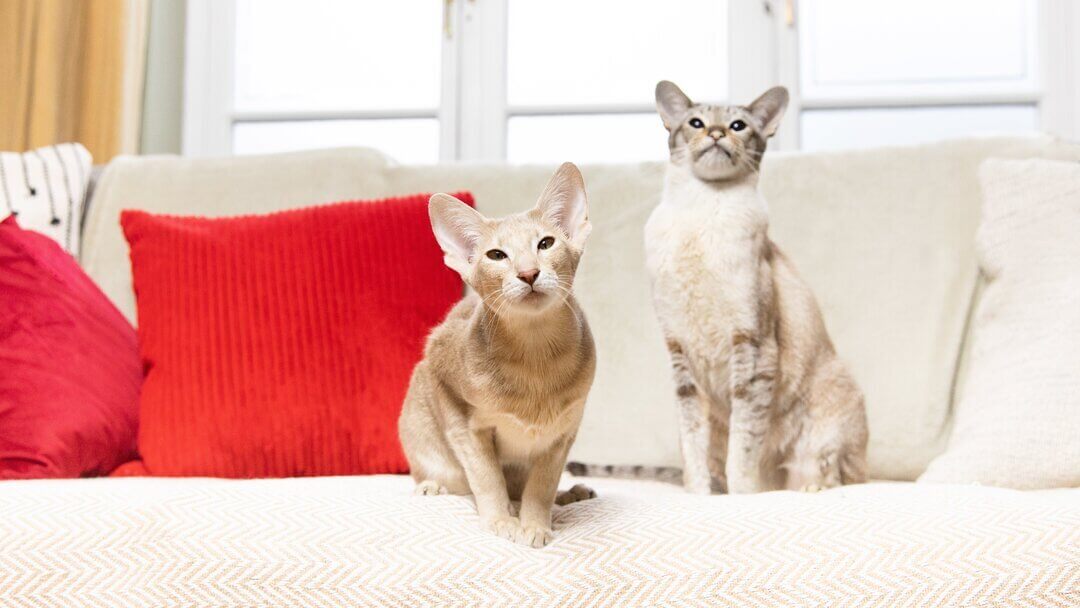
(46, 189)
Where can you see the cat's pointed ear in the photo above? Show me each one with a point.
(671, 103)
(457, 228)
(563, 203)
(769, 109)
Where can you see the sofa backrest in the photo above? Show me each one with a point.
(884, 237)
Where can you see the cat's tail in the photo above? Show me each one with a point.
(636, 471)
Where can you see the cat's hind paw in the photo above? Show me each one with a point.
(575, 494)
(430, 488)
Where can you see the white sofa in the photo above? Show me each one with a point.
(885, 238)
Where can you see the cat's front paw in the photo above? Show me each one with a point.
(744, 488)
(819, 486)
(744, 483)
(503, 526)
(699, 488)
(535, 536)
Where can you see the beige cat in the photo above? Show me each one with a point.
(764, 402)
(496, 402)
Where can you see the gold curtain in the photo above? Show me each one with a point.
(72, 70)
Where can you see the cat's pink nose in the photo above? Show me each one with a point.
(716, 134)
(529, 276)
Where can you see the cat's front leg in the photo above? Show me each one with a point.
(753, 380)
(694, 424)
(475, 449)
(537, 498)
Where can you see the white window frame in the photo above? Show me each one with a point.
(1059, 38)
(473, 112)
(210, 31)
(1052, 82)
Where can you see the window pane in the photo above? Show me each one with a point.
(888, 47)
(331, 54)
(606, 138)
(838, 129)
(567, 52)
(413, 140)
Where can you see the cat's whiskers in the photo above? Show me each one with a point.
(505, 302)
(566, 301)
(500, 293)
(748, 164)
(496, 307)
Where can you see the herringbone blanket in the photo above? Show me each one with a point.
(366, 541)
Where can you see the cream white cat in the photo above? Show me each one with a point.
(764, 402)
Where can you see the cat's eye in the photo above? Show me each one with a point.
(738, 125)
(696, 123)
(496, 254)
(546, 243)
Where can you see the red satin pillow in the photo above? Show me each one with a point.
(282, 345)
(69, 365)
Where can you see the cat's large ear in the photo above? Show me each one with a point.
(769, 109)
(457, 228)
(671, 103)
(563, 203)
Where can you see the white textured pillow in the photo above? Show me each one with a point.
(46, 189)
(1018, 419)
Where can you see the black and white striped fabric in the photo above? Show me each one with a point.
(46, 190)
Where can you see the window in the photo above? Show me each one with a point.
(580, 75)
(324, 74)
(530, 81)
(881, 72)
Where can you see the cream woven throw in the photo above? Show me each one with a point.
(366, 541)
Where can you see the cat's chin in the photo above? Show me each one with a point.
(714, 167)
(531, 303)
(534, 300)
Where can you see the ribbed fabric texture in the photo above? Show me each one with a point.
(282, 345)
(69, 365)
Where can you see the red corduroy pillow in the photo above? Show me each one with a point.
(69, 365)
(282, 345)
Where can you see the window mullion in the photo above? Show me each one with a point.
(757, 41)
(482, 81)
(1059, 20)
(788, 73)
(450, 88)
(208, 78)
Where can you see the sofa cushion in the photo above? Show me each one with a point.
(1018, 418)
(367, 541)
(69, 365)
(282, 344)
(46, 189)
(884, 237)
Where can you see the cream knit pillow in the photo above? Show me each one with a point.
(1018, 419)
